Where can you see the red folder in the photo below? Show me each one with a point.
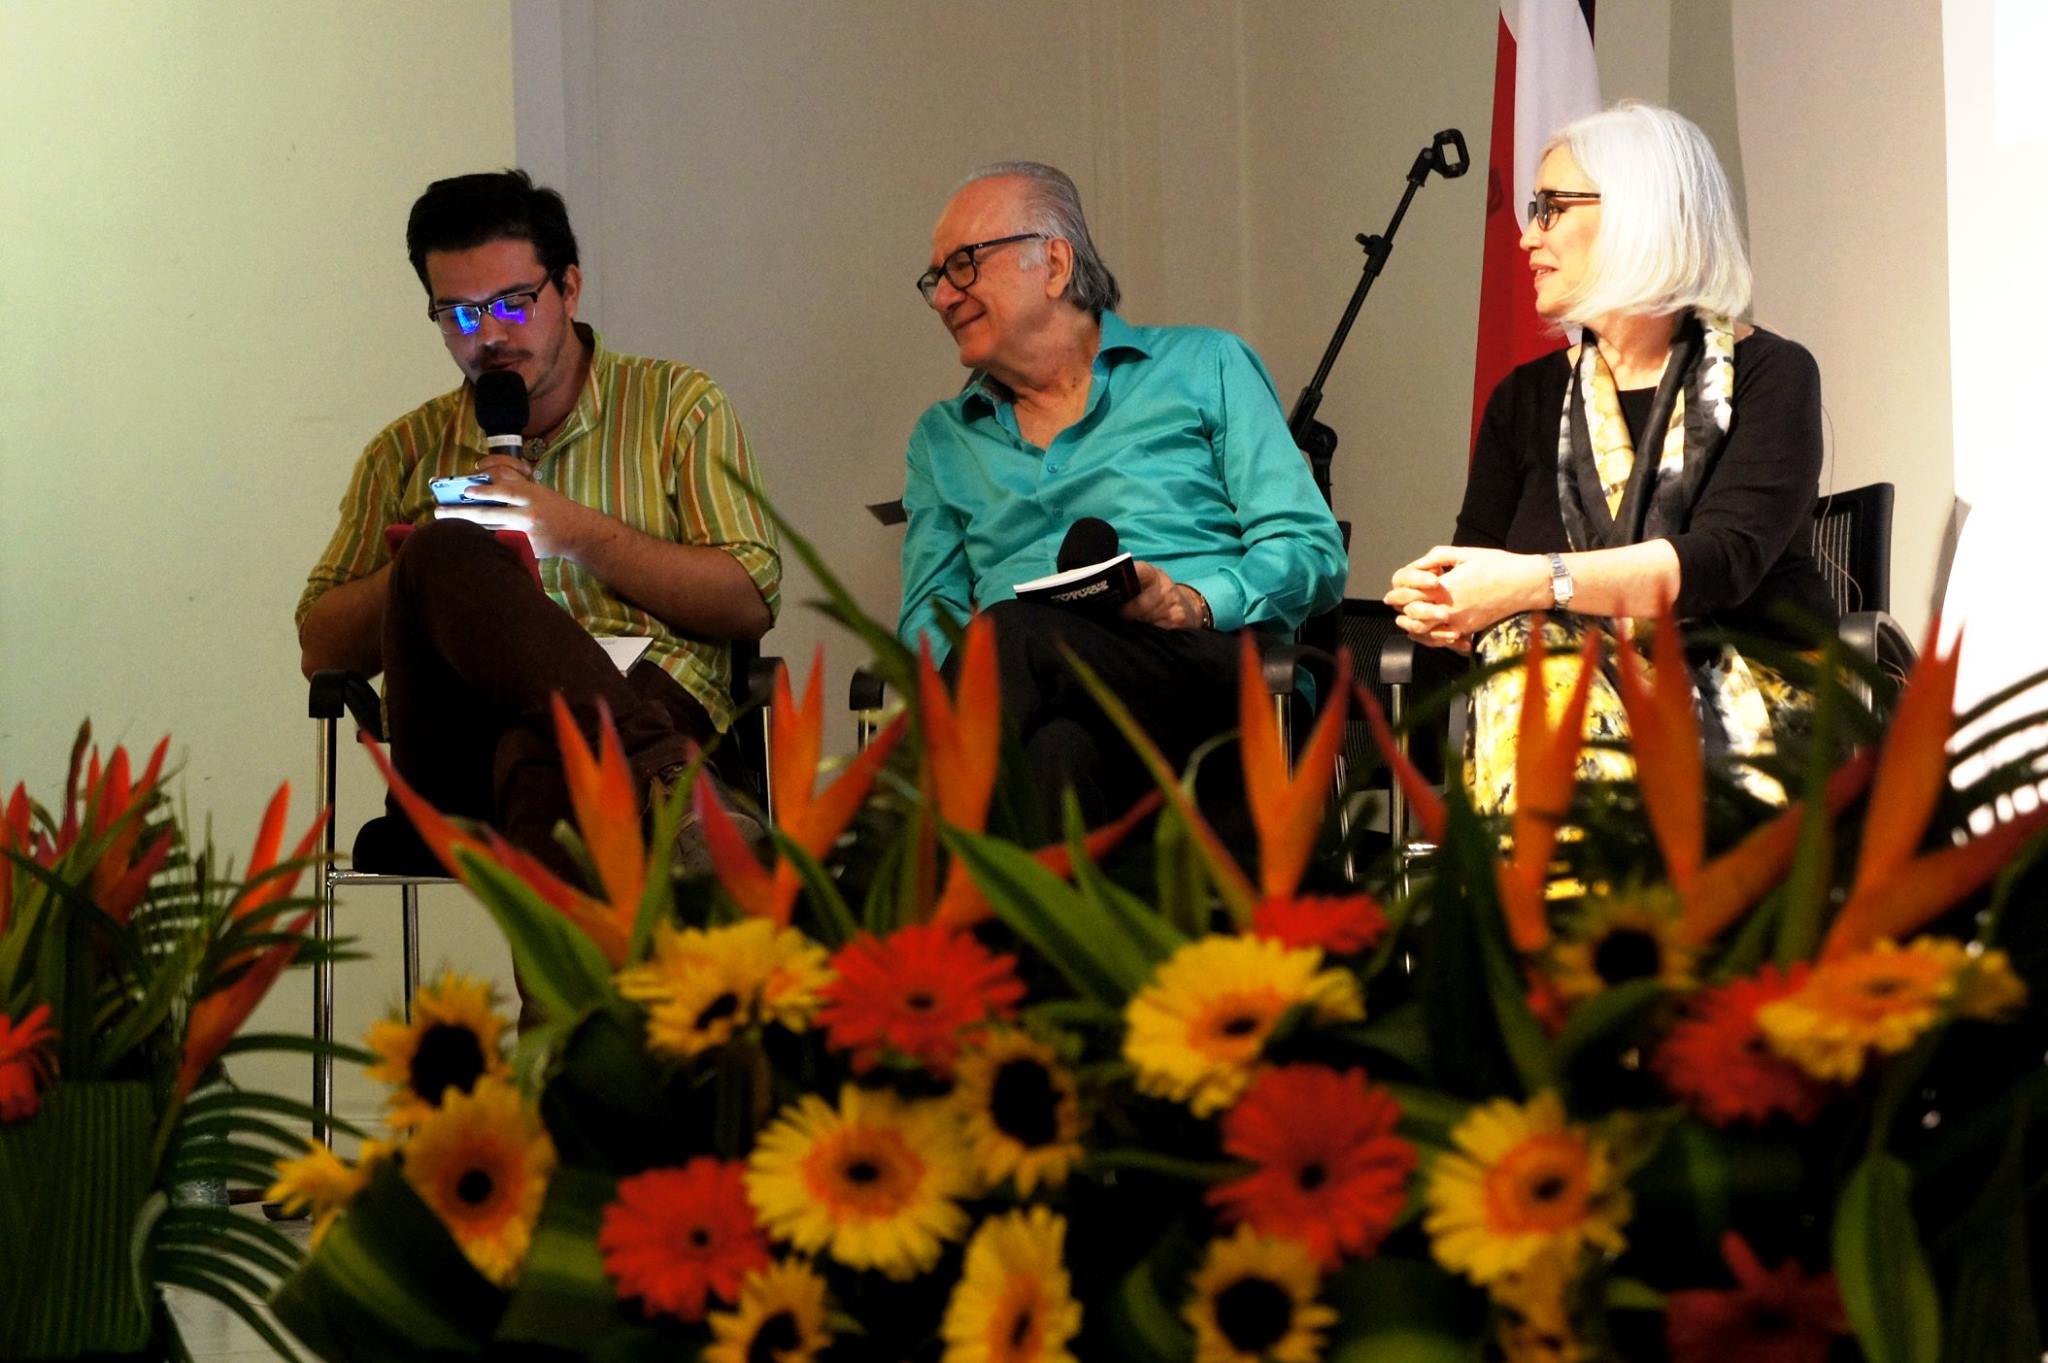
(515, 540)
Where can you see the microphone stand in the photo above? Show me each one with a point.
(1311, 436)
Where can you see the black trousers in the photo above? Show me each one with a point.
(1180, 685)
(473, 652)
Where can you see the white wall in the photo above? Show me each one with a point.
(208, 312)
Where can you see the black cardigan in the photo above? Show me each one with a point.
(1748, 544)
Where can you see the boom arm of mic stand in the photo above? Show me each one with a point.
(1311, 436)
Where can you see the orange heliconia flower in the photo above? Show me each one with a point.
(1546, 770)
(1670, 758)
(608, 929)
(1287, 810)
(1895, 892)
(216, 1018)
(26, 1068)
(812, 818)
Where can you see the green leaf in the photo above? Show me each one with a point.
(1993, 1316)
(1166, 1166)
(564, 1298)
(1099, 960)
(1886, 1286)
(562, 970)
(834, 918)
(1601, 1016)
(389, 1283)
(609, 1104)
(1403, 1311)
(1124, 912)
(232, 1290)
(1808, 887)
(1142, 1323)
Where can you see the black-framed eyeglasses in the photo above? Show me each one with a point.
(1548, 203)
(462, 319)
(963, 267)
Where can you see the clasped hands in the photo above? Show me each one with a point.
(1451, 593)
(547, 518)
(1163, 602)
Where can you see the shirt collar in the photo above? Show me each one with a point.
(1118, 340)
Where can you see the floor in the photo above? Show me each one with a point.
(213, 1332)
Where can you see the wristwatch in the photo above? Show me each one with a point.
(1561, 588)
(1208, 616)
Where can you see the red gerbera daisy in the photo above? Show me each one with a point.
(1776, 1316)
(25, 1064)
(1340, 925)
(1332, 1173)
(1718, 1063)
(918, 993)
(675, 1235)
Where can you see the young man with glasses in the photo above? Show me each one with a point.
(1173, 435)
(626, 491)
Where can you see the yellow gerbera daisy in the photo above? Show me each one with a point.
(482, 1163)
(1021, 1112)
(703, 985)
(1014, 1302)
(1881, 1000)
(1255, 1302)
(1197, 1031)
(876, 1183)
(780, 1317)
(1619, 939)
(453, 1041)
(321, 1183)
(1522, 1183)
(1535, 1321)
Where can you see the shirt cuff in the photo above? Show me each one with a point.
(1225, 598)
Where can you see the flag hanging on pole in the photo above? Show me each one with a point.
(1543, 78)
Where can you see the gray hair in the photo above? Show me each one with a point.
(1668, 238)
(1052, 208)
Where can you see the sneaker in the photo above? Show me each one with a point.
(692, 851)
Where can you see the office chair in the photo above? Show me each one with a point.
(1852, 543)
(388, 852)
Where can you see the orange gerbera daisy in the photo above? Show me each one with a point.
(1778, 1315)
(1718, 1064)
(482, 1163)
(675, 1236)
(1331, 1171)
(1341, 925)
(919, 992)
(26, 1068)
(1880, 1001)
(1522, 1183)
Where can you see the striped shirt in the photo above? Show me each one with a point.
(648, 444)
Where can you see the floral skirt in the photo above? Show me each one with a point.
(1743, 704)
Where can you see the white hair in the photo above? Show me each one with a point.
(1052, 207)
(1668, 239)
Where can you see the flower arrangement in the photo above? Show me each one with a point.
(128, 963)
(1648, 1069)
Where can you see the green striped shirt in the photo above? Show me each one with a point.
(648, 444)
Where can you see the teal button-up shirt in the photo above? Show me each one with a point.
(1183, 448)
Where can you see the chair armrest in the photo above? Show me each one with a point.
(333, 692)
(1875, 635)
(1397, 661)
(866, 692)
(761, 680)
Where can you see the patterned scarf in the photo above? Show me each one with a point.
(1610, 498)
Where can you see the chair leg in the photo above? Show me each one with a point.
(409, 911)
(323, 971)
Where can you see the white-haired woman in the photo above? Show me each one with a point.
(1632, 237)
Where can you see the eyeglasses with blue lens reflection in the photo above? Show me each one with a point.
(462, 319)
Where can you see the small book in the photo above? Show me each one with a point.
(1103, 586)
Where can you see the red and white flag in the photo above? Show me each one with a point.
(1543, 78)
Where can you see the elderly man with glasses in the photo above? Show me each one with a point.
(631, 489)
(1173, 435)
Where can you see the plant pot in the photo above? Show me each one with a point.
(72, 1179)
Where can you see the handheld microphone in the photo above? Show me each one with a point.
(1089, 540)
(502, 411)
